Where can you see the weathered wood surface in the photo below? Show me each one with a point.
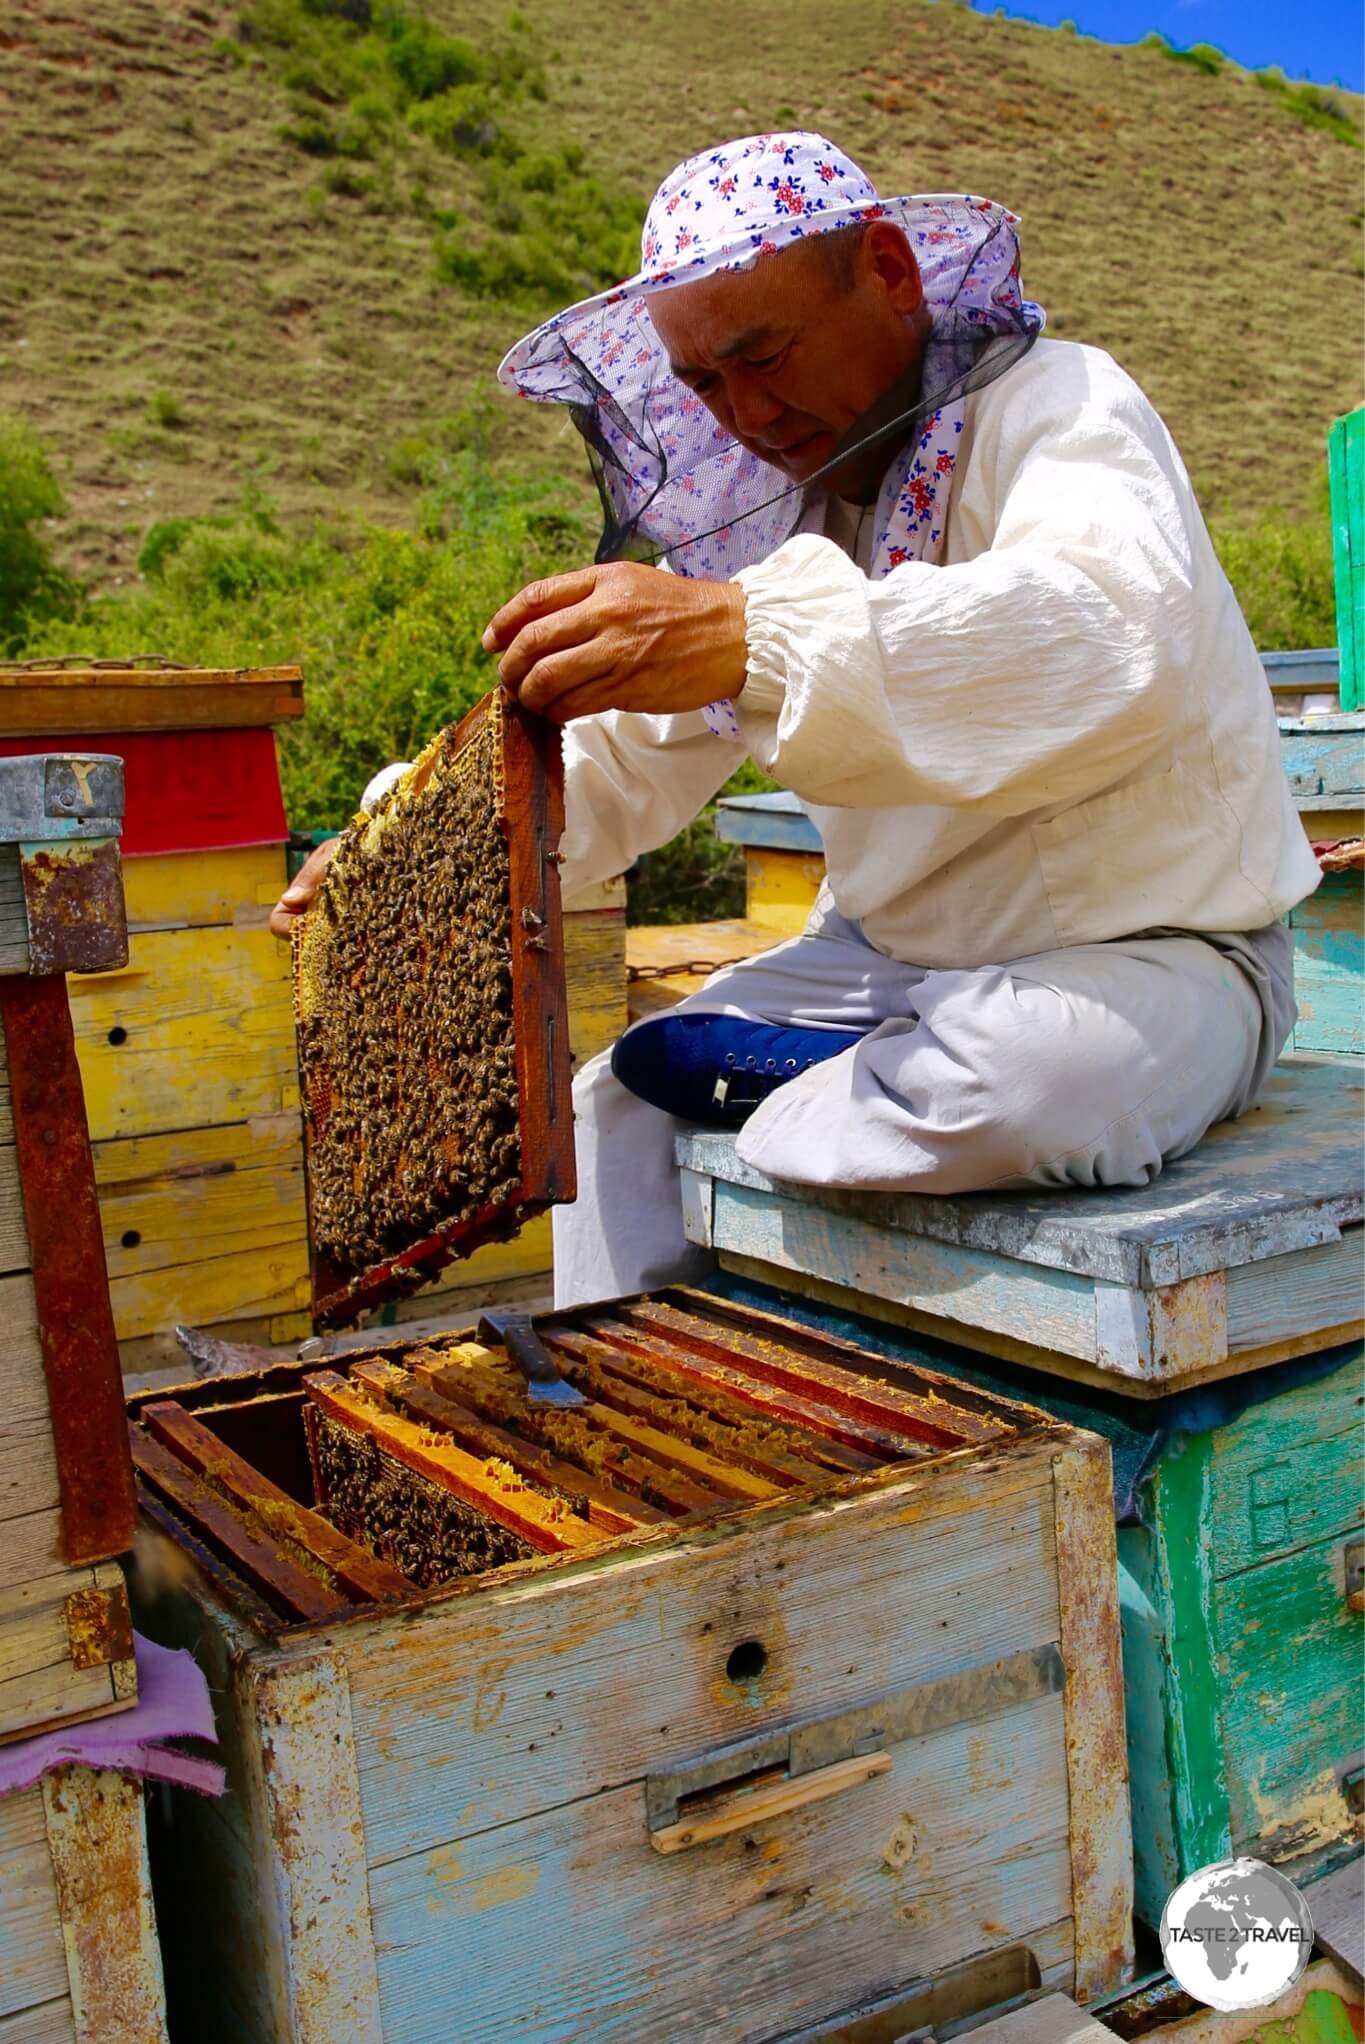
(186, 890)
(13, 915)
(55, 1660)
(737, 1938)
(79, 702)
(53, 2023)
(198, 1029)
(98, 1846)
(1329, 966)
(971, 1579)
(1324, 760)
(204, 1224)
(1287, 1176)
(1055, 2019)
(1337, 1906)
(1286, 1473)
(777, 821)
(32, 1956)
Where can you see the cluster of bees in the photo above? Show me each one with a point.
(403, 982)
(427, 1532)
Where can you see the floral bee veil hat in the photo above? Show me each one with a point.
(671, 478)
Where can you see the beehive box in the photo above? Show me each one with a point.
(79, 1958)
(1241, 1588)
(66, 1499)
(186, 1050)
(838, 1711)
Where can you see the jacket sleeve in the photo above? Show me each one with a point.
(1038, 672)
(631, 782)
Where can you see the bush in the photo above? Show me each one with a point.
(1283, 578)
(33, 588)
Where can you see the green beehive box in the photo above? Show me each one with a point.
(1346, 464)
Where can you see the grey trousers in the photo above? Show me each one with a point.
(1093, 1065)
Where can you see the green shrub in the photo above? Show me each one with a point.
(164, 409)
(1283, 578)
(33, 589)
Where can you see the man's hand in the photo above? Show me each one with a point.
(298, 895)
(620, 637)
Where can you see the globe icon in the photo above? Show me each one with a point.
(1236, 1935)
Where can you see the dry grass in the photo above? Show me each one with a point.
(186, 306)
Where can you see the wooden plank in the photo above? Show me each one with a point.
(1324, 761)
(81, 702)
(1052, 1310)
(29, 1480)
(849, 1444)
(1287, 1176)
(51, 2023)
(97, 1840)
(750, 1936)
(562, 1429)
(763, 1803)
(1299, 1293)
(363, 1574)
(966, 1571)
(1286, 1473)
(286, 1585)
(612, 1511)
(298, 1781)
(1096, 1751)
(204, 1224)
(32, 1956)
(14, 1249)
(13, 914)
(1329, 966)
(1290, 1648)
(1055, 2019)
(1337, 1906)
(639, 1389)
(777, 821)
(185, 890)
(202, 1032)
(504, 1499)
(41, 1683)
(31, 1546)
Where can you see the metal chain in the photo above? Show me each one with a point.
(694, 968)
(54, 663)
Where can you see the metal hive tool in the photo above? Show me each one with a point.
(432, 1017)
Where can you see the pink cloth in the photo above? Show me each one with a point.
(173, 1703)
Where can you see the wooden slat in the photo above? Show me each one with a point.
(855, 1444)
(1296, 1294)
(81, 702)
(185, 890)
(204, 1224)
(97, 1838)
(40, 1686)
(562, 1430)
(286, 1584)
(613, 1511)
(1337, 1905)
(510, 1503)
(31, 1546)
(615, 1384)
(13, 915)
(595, 976)
(784, 1356)
(208, 1033)
(363, 1574)
(33, 1966)
(51, 2023)
(1053, 2020)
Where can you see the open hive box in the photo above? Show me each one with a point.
(432, 1016)
(769, 1679)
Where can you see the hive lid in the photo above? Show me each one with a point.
(80, 697)
(432, 1016)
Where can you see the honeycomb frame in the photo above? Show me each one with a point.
(440, 1216)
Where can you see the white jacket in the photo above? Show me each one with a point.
(1061, 734)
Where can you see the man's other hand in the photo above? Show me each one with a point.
(620, 637)
(298, 895)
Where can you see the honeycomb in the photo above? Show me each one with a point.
(403, 1000)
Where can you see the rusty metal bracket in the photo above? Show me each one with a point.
(99, 1627)
(73, 901)
(70, 1277)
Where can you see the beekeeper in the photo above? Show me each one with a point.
(948, 582)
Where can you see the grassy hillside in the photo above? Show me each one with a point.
(256, 246)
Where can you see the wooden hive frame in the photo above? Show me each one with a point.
(531, 791)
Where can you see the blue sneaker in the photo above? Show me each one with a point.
(716, 1069)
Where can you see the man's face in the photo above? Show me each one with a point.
(787, 355)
